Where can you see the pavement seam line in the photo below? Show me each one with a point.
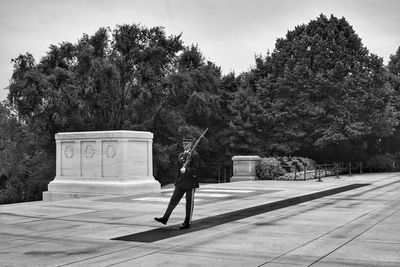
(38, 218)
(138, 257)
(45, 234)
(284, 215)
(366, 230)
(203, 256)
(212, 221)
(365, 214)
(34, 243)
(60, 218)
(108, 253)
(273, 218)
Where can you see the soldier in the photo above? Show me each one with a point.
(186, 183)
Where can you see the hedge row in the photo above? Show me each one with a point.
(273, 168)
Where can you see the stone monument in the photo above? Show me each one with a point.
(244, 168)
(102, 163)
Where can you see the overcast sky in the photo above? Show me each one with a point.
(228, 32)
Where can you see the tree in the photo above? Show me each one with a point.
(194, 103)
(323, 90)
(394, 76)
(132, 78)
(244, 135)
(24, 166)
(394, 63)
(109, 81)
(391, 143)
(102, 82)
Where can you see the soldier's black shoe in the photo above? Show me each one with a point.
(161, 220)
(184, 226)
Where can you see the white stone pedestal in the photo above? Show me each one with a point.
(244, 168)
(102, 163)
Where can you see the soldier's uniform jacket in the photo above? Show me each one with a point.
(187, 180)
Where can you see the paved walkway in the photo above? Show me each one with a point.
(352, 221)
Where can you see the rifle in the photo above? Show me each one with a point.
(189, 157)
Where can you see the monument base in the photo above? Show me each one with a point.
(66, 189)
(102, 163)
(56, 196)
(243, 178)
(244, 168)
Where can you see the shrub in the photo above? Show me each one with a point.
(269, 169)
(282, 167)
(286, 164)
(298, 164)
(308, 163)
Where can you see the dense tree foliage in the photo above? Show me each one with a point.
(318, 94)
(25, 167)
(324, 93)
(391, 143)
(131, 78)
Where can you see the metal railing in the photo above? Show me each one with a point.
(218, 172)
(324, 170)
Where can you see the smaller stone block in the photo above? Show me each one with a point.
(244, 168)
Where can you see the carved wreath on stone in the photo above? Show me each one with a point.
(110, 151)
(69, 152)
(89, 151)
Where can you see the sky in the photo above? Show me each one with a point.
(228, 32)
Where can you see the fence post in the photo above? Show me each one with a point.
(350, 169)
(361, 168)
(337, 170)
(319, 178)
(224, 174)
(305, 173)
(295, 174)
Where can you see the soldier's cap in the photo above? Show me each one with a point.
(187, 140)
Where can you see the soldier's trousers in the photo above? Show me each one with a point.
(176, 197)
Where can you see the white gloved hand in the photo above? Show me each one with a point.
(183, 170)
